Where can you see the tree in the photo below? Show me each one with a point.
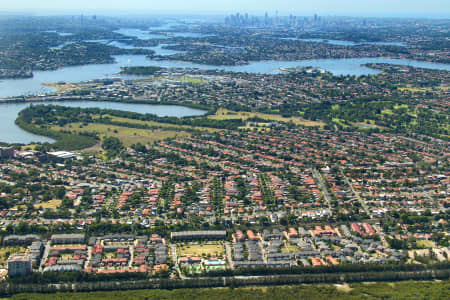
(67, 203)
(112, 144)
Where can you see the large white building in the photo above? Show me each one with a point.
(60, 156)
(19, 265)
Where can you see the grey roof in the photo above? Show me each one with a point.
(278, 264)
(247, 264)
(68, 236)
(198, 234)
(63, 268)
(11, 239)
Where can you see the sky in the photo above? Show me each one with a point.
(401, 8)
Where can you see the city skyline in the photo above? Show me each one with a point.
(433, 8)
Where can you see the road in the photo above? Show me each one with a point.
(229, 255)
(324, 188)
(131, 249)
(381, 234)
(173, 251)
(44, 256)
(263, 252)
(89, 256)
(356, 193)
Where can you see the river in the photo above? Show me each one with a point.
(11, 133)
(350, 66)
(347, 43)
(33, 86)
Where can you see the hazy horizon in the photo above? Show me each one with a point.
(382, 8)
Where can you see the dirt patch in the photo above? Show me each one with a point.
(96, 148)
(343, 287)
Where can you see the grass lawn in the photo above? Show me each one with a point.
(225, 114)
(5, 252)
(29, 147)
(340, 122)
(426, 244)
(195, 269)
(109, 255)
(415, 89)
(260, 127)
(66, 256)
(128, 136)
(201, 250)
(19, 207)
(62, 87)
(397, 106)
(189, 79)
(365, 125)
(418, 252)
(335, 247)
(52, 204)
(161, 125)
(288, 248)
(215, 268)
(68, 245)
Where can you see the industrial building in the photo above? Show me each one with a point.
(60, 156)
